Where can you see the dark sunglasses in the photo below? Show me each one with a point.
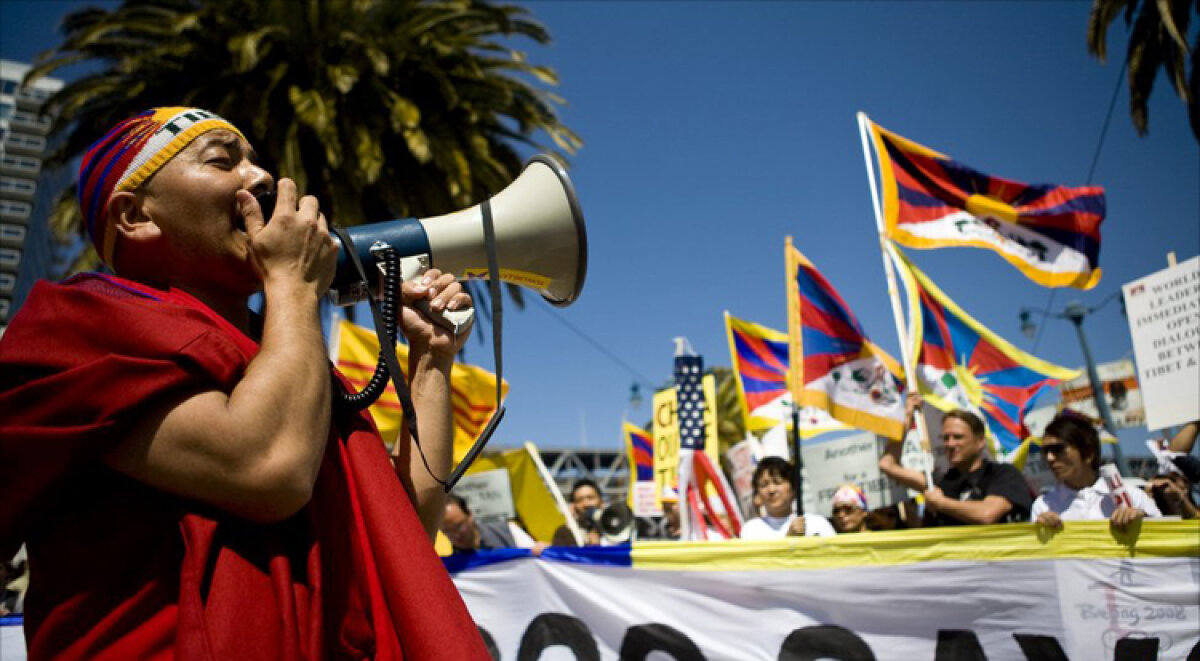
(1055, 448)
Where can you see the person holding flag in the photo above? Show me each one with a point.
(776, 498)
(976, 490)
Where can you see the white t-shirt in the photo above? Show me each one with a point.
(1089, 503)
(775, 527)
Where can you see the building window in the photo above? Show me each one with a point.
(10, 258)
(14, 209)
(10, 86)
(8, 282)
(17, 185)
(12, 233)
(31, 118)
(28, 141)
(21, 163)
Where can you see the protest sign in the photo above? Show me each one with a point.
(1121, 392)
(665, 428)
(1163, 309)
(831, 461)
(488, 494)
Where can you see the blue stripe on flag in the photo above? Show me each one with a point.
(613, 556)
(481, 558)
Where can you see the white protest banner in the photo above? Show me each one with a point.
(488, 494)
(1119, 382)
(999, 592)
(1164, 322)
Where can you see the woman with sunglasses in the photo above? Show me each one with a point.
(1072, 448)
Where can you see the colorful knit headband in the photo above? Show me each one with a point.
(127, 155)
(850, 493)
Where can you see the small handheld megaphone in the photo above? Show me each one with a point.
(539, 238)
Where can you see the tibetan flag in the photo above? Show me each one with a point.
(1051, 233)
(472, 389)
(760, 365)
(639, 448)
(961, 364)
(841, 371)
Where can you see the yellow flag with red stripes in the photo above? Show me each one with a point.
(473, 389)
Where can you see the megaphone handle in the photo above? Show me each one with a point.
(455, 321)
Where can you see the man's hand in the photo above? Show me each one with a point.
(296, 246)
(1124, 516)
(1050, 520)
(911, 404)
(796, 528)
(443, 292)
(934, 499)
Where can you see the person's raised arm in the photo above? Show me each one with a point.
(1185, 439)
(889, 462)
(431, 350)
(255, 451)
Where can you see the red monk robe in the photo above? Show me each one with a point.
(123, 571)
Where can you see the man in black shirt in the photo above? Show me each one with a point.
(975, 490)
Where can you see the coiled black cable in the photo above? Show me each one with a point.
(358, 401)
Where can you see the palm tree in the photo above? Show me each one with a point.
(731, 423)
(380, 108)
(1157, 40)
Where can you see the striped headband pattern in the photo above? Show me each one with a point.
(128, 155)
(850, 493)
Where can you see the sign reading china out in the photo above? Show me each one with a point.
(1164, 322)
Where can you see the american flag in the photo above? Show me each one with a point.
(690, 401)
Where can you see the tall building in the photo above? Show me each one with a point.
(26, 192)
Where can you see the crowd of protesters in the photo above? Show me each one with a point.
(1070, 445)
(974, 490)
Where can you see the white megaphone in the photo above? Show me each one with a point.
(539, 238)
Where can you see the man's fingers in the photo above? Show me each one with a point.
(252, 215)
(285, 194)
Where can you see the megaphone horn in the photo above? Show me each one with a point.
(540, 238)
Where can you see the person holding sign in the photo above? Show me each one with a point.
(1072, 448)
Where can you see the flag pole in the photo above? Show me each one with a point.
(795, 372)
(894, 294)
(555, 492)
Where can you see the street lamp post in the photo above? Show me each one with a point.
(1075, 311)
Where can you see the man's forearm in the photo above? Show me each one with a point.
(287, 385)
(432, 401)
(979, 512)
(889, 463)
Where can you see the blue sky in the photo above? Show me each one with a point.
(712, 130)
